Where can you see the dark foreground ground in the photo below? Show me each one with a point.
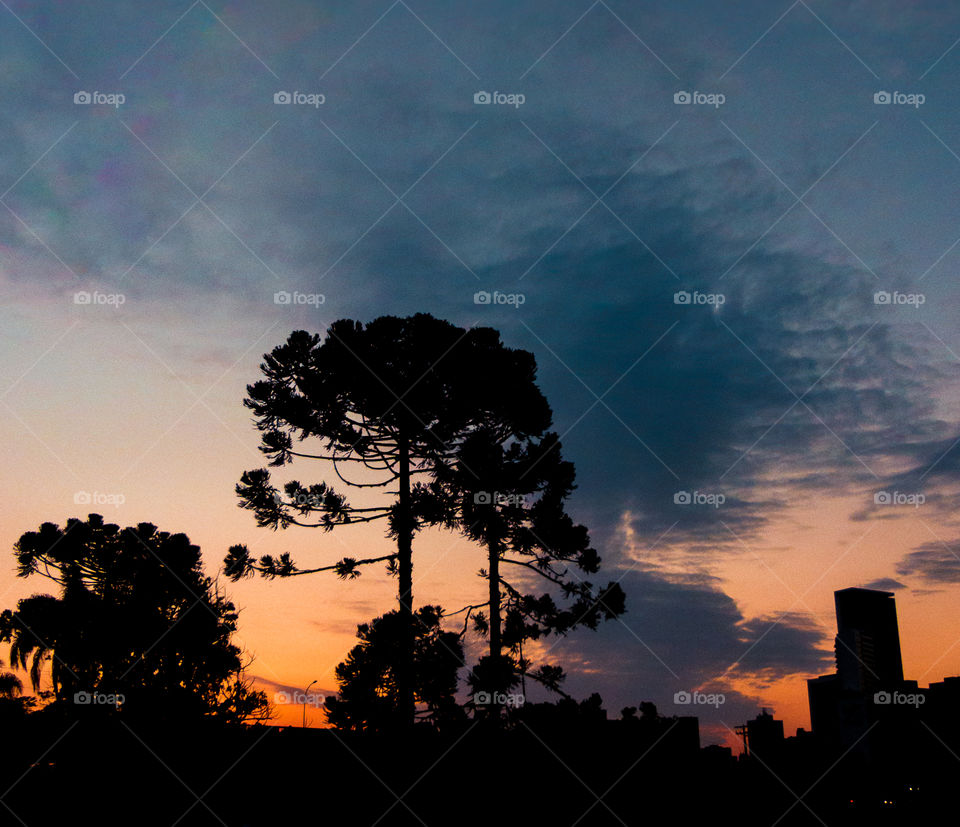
(108, 772)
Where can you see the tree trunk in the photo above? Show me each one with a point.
(493, 548)
(496, 642)
(405, 586)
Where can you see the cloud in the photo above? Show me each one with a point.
(782, 646)
(282, 693)
(884, 584)
(684, 633)
(934, 563)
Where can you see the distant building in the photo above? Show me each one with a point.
(866, 705)
(865, 713)
(715, 757)
(763, 736)
(867, 645)
(823, 694)
(717, 752)
(942, 708)
(843, 705)
(945, 692)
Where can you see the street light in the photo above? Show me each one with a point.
(305, 691)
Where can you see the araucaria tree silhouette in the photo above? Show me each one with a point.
(509, 495)
(393, 398)
(137, 625)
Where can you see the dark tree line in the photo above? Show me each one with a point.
(446, 423)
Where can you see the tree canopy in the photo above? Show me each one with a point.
(137, 625)
(510, 496)
(395, 397)
(369, 699)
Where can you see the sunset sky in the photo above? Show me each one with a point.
(750, 296)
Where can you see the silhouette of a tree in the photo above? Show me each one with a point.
(510, 497)
(369, 696)
(392, 398)
(136, 617)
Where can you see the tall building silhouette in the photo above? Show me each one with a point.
(868, 640)
(883, 728)
(867, 650)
